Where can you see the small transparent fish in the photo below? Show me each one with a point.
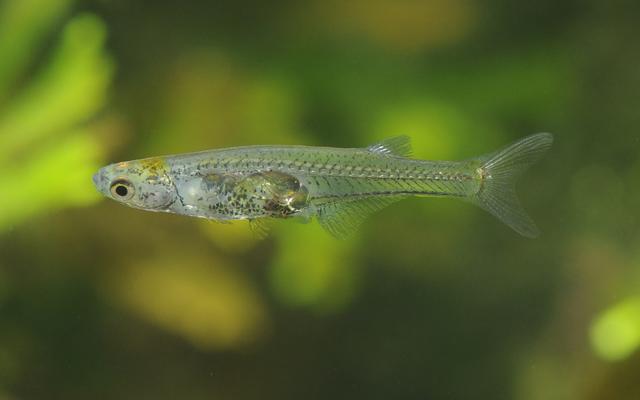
(339, 187)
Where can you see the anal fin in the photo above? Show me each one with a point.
(341, 217)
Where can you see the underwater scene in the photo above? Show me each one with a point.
(332, 195)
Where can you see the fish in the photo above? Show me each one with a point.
(340, 187)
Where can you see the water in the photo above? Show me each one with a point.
(433, 298)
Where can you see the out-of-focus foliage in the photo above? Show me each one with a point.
(47, 148)
(23, 26)
(408, 26)
(322, 276)
(431, 299)
(201, 299)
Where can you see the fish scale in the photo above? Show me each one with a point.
(364, 171)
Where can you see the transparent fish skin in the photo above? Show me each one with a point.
(338, 186)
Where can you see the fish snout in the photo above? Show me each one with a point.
(98, 180)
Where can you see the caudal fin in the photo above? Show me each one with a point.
(500, 172)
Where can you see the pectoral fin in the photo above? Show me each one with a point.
(260, 228)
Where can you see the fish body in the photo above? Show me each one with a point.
(338, 186)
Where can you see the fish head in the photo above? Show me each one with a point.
(143, 184)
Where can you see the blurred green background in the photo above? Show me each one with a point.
(432, 299)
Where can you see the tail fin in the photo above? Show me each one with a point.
(500, 172)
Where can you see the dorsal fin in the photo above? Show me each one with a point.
(394, 146)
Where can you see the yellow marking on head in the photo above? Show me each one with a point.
(154, 166)
(123, 165)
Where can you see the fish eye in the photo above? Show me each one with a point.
(122, 190)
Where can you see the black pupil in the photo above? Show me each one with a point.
(121, 190)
